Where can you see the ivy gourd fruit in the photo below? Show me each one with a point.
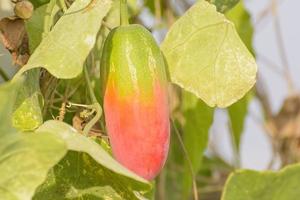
(136, 100)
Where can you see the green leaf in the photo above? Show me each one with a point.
(253, 185)
(242, 21)
(198, 119)
(77, 142)
(237, 115)
(224, 5)
(25, 161)
(27, 113)
(79, 176)
(35, 25)
(64, 50)
(93, 172)
(24, 158)
(206, 56)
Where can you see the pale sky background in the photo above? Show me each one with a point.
(255, 146)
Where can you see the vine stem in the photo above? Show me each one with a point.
(195, 190)
(95, 105)
(95, 119)
(123, 12)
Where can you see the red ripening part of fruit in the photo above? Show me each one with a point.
(136, 100)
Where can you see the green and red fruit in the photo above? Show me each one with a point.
(136, 100)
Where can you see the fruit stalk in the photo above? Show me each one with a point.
(123, 12)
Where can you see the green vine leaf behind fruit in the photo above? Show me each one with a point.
(64, 50)
(206, 56)
(88, 171)
(253, 185)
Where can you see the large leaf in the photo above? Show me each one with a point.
(24, 158)
(27, 113)
(206, 56)
(25, 161)
(79, 176)
(93, 173)
(224, 5)
(253, 185)
(198, 119)
(64, 50)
